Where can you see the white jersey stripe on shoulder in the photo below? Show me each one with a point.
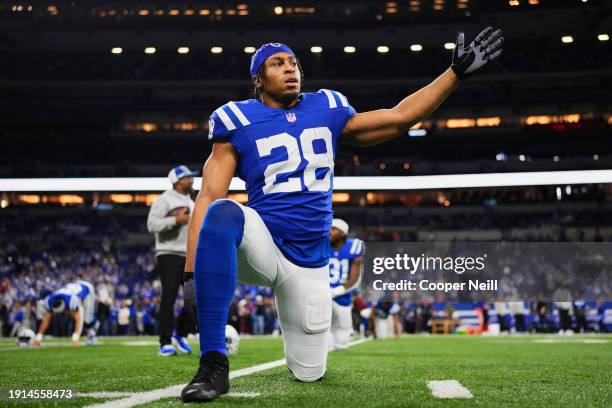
(342, 98)
(74, 303)
(239, 114)
(360, 247)
(225, 119)
(353, 246)
(330, 98)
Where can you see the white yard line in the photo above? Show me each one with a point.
(570, 340)
(243, 394)
(139, 398)
(448, 389)
(104, 394)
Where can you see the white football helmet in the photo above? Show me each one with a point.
(232, 339)
(25, 338)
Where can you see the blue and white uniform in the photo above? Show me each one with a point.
(79, 295)
(340, 263)
(280, 238)
(287, 163)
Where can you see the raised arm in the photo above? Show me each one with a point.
(216, 178)
(374, 127)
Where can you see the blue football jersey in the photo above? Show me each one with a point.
(287, 163)
(340, 262)
(72, 294)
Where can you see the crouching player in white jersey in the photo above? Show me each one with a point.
(282, 144)
(77, 297)
(345, 262)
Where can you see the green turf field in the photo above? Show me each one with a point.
(520, 371)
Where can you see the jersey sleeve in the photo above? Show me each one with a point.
(357, 248)
(220, 126)
(347, 110)
(75, 302)
(342, 110)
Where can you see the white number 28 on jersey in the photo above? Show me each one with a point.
(294, 158)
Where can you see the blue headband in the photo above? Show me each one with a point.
(264, 52)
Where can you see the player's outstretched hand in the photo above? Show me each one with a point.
(487, 46)
(35, 343)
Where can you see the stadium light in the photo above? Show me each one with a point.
(116, 50)
(249, 50)
(416, 47)
(382, 49)
(278, 10)
(150, 50)
(417, 132)
(374, 183)
(567, 39)
(603, 37)
(183, 50)
(349, 49)
(449, 46)
(316, 49)
(501, 156)
(216, 50)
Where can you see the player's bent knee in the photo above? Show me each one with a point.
(305, 372)
(306, 354)
(224, 220)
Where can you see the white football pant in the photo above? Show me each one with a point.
(303, 297)
(341, 326)
(383, 327)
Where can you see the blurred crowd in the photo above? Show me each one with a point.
(42, 251)
(128, 292)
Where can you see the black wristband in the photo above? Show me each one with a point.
(187, 276)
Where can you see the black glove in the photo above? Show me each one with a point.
(189, 293)
(486, 47)
(189, 320)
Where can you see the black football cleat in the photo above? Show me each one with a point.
(211, 380)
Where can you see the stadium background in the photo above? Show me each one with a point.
(124, 89)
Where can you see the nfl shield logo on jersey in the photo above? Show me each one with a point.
(291, 117)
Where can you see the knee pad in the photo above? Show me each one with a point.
(224, 220)
(307, 364)
(317, 316)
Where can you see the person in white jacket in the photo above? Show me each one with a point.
(168, 219)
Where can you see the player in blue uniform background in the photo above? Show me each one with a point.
(283, 144)
(345, 263)
(78, 298)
